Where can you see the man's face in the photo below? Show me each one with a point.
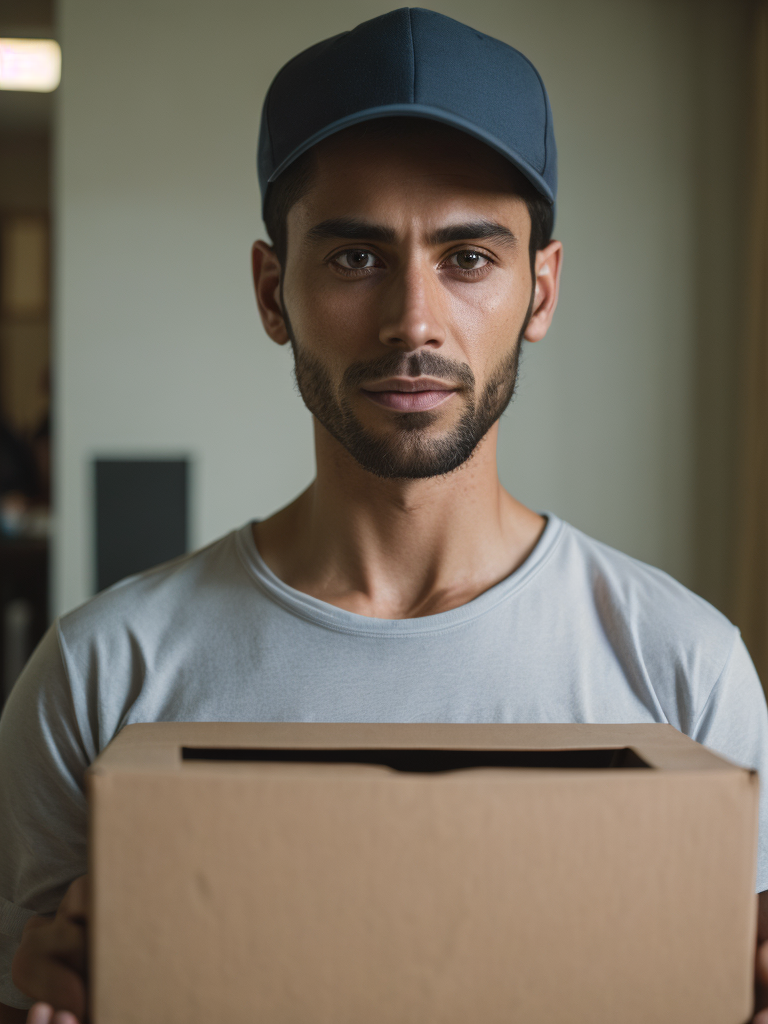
(406, 292)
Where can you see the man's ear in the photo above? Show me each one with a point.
(546, 288)
(266, 282)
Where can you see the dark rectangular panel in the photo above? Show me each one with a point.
(141, 515)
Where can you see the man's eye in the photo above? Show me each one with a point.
(355, 259)
(469, 260)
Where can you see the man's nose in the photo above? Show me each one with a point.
(412, 311)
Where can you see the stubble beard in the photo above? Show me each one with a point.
(407, 451)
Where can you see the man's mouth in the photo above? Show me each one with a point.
(410, 394)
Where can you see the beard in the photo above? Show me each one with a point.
(408, 451)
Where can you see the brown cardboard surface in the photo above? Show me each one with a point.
(239, 891)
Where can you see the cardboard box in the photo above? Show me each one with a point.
(420, 874)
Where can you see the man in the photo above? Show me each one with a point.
(408, 171)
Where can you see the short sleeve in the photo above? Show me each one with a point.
(43, 809)
(734, 723)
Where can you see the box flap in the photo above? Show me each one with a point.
(158, 745)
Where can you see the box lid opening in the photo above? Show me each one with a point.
(427, 760)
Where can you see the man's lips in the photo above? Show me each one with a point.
(409, 394)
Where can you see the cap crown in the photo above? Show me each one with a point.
(418, 63)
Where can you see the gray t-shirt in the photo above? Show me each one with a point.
(579, 633)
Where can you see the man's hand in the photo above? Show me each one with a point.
(761, 961)
(43, 1013)
(761, 984)
(50, 963)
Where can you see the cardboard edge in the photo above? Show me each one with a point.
(157, 744)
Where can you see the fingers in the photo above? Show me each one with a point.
(43, 1013)
(50, 963)
(55, 984)
(49, 966)
(759, 1018)
(75, 903)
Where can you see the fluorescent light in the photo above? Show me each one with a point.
(30, 65)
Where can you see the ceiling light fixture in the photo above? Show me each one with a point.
(30, 65)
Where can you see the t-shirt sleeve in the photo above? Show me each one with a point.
(43, 809)
(734, 723)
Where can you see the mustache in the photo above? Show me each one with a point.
(415, 364)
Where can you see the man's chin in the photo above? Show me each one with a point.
(408, 452)
(400, 423)
(403, 470)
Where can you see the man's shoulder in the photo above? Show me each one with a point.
(636, 585)
(165, 595)
(641, 604)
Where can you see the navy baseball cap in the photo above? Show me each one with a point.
(411, 63)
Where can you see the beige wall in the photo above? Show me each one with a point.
(158, 345)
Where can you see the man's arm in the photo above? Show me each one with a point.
(43, 808)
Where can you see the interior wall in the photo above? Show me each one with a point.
(720, 179)
(159, 349)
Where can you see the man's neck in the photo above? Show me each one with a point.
(397, 549)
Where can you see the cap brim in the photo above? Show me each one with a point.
(430, 114)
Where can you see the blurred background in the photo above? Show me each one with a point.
(130, 345)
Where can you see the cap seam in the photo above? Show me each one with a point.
(540, 80)
(267, 119)
(270, 91)
(413, 55)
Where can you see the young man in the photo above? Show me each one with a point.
(408, 169)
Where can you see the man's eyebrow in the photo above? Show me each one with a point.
(349, 227)
(473, 231)
(361, 230)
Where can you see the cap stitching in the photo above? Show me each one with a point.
(413, 55)
(267, 105)
(540, 80)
